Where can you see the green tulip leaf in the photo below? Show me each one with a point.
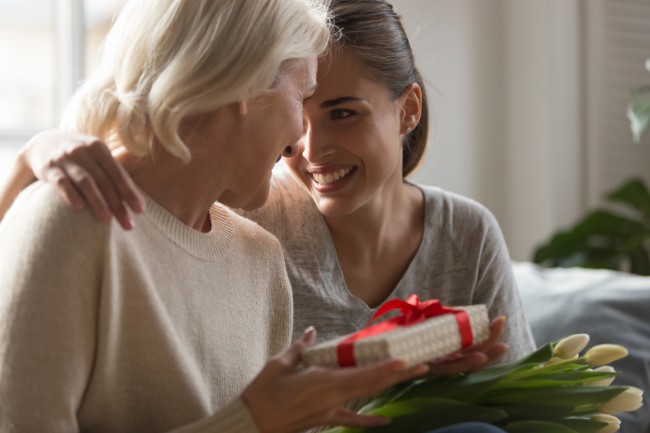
(582, 425)
(537, 427)
(424, 414)
(538, 411)
(561, 396)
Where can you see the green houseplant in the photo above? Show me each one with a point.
(607, 239)
(638, 110)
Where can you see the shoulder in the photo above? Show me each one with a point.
(457, 212)
(246, 231)
(289, 206)
(52, 252)
(40, 213)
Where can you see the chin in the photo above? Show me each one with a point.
(259, 199)
(333, 210)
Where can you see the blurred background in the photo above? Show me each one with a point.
(528, 97)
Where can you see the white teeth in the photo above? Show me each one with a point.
(325, 179)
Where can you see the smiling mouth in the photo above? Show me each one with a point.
(331, 177)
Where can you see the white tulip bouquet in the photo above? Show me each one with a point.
(553, 390)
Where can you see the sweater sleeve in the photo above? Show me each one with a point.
(496, 287)
(49, 273)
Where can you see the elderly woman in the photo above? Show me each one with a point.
(163, 327)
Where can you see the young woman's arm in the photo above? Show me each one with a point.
(18, 178)
(83, 171)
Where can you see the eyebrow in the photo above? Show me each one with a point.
(337, 101)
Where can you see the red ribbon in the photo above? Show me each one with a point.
(413, 311)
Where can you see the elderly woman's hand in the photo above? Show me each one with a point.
(84, 172)
(284, 399)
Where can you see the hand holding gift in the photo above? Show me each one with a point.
(424, 332)
(475, 357)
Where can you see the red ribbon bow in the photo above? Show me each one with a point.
(413, 311)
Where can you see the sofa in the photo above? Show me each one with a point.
(612, 307)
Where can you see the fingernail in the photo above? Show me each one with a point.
(127, 224)
(421, 369)
(138, 205)
(309, 334)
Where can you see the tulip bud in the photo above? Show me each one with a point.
(571, 346)
(605, 354)
(603, 382)
(613, 423)
(629, 400)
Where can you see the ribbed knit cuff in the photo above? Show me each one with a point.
(234, 418)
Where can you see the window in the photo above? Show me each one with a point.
(47, 47)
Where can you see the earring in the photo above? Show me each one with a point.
(408, 130)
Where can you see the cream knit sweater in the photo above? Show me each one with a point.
(153, 330)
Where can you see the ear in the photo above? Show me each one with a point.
(411, 107)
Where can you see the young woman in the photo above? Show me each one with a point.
(356, 233)
(166, 327)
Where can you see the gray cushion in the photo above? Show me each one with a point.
(612, 307)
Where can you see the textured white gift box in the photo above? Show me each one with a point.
(431, 339)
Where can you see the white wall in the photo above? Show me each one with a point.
(512, 105)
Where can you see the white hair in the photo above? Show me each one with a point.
(164, 60)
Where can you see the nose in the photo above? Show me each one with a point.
(314, 145)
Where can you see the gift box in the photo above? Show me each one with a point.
(425, 331)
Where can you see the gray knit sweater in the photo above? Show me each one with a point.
(462, 260)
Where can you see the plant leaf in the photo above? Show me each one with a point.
(582, 425)
(633, 193)
(638, 112)
(538, 411)
(537, 427)
(424, 414)
(597, 238)
(560, 396)
(557, 379)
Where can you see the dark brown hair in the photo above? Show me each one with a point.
(373, 31)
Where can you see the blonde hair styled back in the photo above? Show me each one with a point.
(165, 60)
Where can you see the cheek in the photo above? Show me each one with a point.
(295, 124)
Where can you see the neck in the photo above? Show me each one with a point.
(179, 188)
(378, 227)
(376, 244)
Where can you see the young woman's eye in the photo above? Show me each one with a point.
(341, 114)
